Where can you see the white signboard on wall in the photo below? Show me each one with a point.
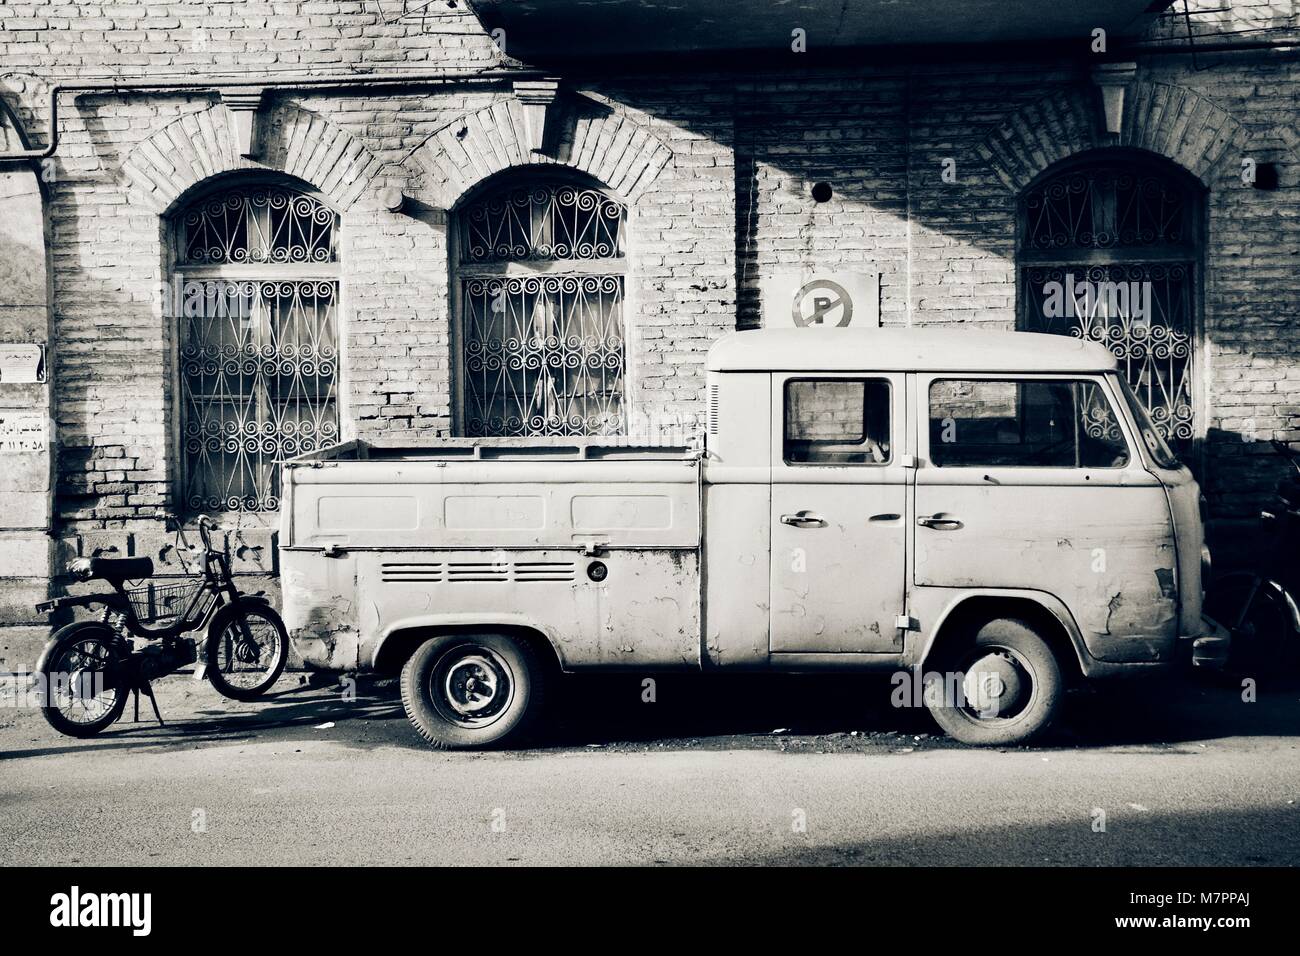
(821, 300)
(21, 432)
(21, 362)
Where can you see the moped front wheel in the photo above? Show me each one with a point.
(246, 650)
(82, 679)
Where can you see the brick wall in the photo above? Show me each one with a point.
(716, 171)
(66, 38)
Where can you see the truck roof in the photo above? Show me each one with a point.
(905, 350)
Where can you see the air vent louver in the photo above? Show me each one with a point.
(500, 571)
(412, 571)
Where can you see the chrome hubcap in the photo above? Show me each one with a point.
(472, 685)
(995, 685)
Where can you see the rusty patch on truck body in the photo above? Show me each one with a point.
(325, 640)
(1134, 627)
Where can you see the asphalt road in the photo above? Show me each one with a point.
(740, 770)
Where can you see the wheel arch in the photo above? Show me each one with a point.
(399, 641)
(1055, 622)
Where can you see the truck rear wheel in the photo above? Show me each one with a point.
(1001, 686)
(470, 691)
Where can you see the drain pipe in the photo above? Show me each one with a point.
(337, 81)
(491, 75)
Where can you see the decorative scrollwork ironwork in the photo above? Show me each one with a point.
(544, 221)
(1141, 303)
(1152, 337)
(257, 224)
(543, 355)
(1105, 207)
(1096, 415)
(259, 372)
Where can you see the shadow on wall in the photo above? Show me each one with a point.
(947, 249)
(882, 143)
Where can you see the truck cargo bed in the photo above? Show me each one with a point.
(479, 494)
(498, 449)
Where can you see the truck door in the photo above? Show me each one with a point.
(1028, 482)
(839, 490)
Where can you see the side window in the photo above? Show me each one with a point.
(1043, 424)
(837, 421)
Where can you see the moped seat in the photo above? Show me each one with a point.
(117, 570)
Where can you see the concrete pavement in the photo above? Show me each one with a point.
(1188, 775)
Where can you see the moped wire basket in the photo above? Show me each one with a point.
(163, 603)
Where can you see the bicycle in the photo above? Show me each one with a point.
(1260, 606)
(89, 668)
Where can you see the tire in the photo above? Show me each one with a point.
(229, 668)
(87, 639)
(472, 691)
(1265, 646)
(1015, 708)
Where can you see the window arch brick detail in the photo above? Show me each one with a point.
(612, 148)
(201, 145)
(1171, 121)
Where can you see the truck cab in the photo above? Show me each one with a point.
(916, 494)
(986, 515)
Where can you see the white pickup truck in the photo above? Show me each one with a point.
(989, 515)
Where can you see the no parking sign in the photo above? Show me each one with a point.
(821, 300)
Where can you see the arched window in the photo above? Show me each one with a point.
(540, 272)
(1109, 250)
(256, 281)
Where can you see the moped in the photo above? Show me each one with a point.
(90, 667)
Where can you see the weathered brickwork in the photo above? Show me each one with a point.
(924, 161)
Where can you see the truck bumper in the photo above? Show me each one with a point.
(1209, 649)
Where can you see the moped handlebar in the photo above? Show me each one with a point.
(205, 531)
(205, 524)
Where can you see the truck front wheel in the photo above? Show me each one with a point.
(1002, 685)
(469, 691)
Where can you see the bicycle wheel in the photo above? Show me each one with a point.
(247, 650)
(1264, 645)
(82, 674)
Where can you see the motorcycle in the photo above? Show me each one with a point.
(1259, 606)
(90, 667)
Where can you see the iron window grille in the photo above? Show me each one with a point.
(257, 269)
(540, 283)
(1115, 239)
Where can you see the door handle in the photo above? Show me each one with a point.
(940, 522)
(804, 519)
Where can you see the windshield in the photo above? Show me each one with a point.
(1160, 452)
